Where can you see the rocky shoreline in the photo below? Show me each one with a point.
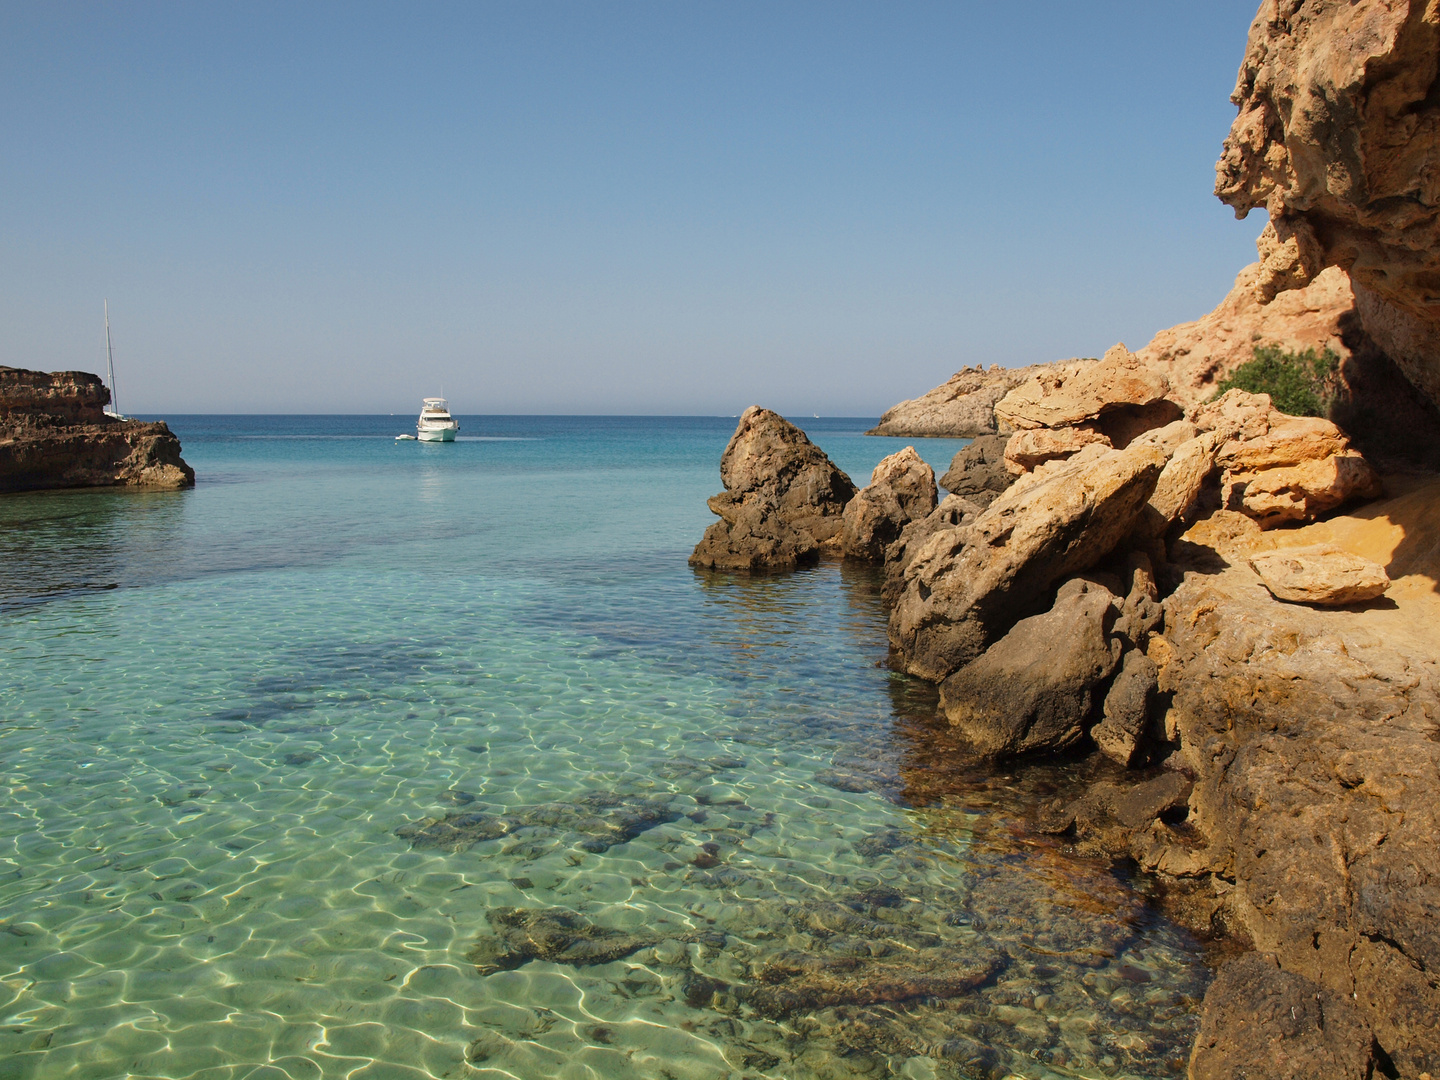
(1239, 606)
(54, 433)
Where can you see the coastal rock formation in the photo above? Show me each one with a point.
(1325, 575)
(968, 585)
(1129, 705)
(1335, 138)
(1312, 735)
(962, 407)
(1279, 468)
(1027, 450)
(952, 511)
(1261, 1021)
(782, 502)
(978, 472)
(54, 433)
(1089, 392)
(901, 490)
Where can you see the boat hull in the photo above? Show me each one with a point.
(440, 435)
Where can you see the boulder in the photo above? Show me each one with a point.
(1034, 689)
(978, 472)
(1069, 394)
(1031, 448)
(1335, 138)
(968, 585)
(1129, 705)
(1280, 468)
(54, 433)
(1324, 575)
(782, 502)
(901, 490)
(1260, 1021)
(961, 408)
(952, 511)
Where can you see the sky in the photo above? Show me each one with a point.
(678, 207)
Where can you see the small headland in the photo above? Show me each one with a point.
(1232, 604)
(55, 433)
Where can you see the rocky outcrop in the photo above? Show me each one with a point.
(952, 511)
(1279, 468)
(782, 502)
(961, 408)
(978, 472)
(1335, 138)
(901, 490)
(1314, 738)
(969, 584)
(1261, 1021)
(1101, 393)
(54, 433)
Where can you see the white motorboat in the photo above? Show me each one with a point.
(435, 423)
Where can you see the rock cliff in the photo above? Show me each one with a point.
(1336, 135)
(54, 434)
(963, 407)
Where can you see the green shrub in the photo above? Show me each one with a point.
(1299, 383)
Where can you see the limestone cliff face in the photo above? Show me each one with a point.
(962, 407)
(54, 434)
(1337, 139)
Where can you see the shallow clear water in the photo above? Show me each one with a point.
(280, 755)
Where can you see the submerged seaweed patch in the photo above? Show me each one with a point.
(596, 821)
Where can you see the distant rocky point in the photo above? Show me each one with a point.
(54, 433)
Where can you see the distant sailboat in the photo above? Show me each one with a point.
(113, 409)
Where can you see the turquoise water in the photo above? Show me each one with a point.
(282, 756)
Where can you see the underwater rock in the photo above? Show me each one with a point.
(556, 935)
(598, 820)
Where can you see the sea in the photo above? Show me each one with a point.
(372, 759)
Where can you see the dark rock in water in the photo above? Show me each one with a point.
(1264, 1022)
(1034, 689)
(596, 822)
(901, 490)
(176, 795)
(978, 472)
(556, 935)
(968, 585)
(54, 433)
(455, 832)
(300, 757)
(1128, 708)
(455, 797)
(782, 502)
(803, 982)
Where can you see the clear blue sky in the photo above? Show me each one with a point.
(675, 207)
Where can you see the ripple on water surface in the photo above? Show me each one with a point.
(612, 819)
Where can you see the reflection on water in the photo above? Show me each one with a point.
(317, 795)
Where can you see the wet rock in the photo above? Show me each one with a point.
(961, 408)
(1261, 1021)
(901, 490)
(454, 832)
(803, 982)
(1323, 574)
(782, 502)
(1129, 704)
(978, 472)
(1034, 689)
(968, 585)
(555, 935)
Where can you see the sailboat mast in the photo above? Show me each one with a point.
(110, 361)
